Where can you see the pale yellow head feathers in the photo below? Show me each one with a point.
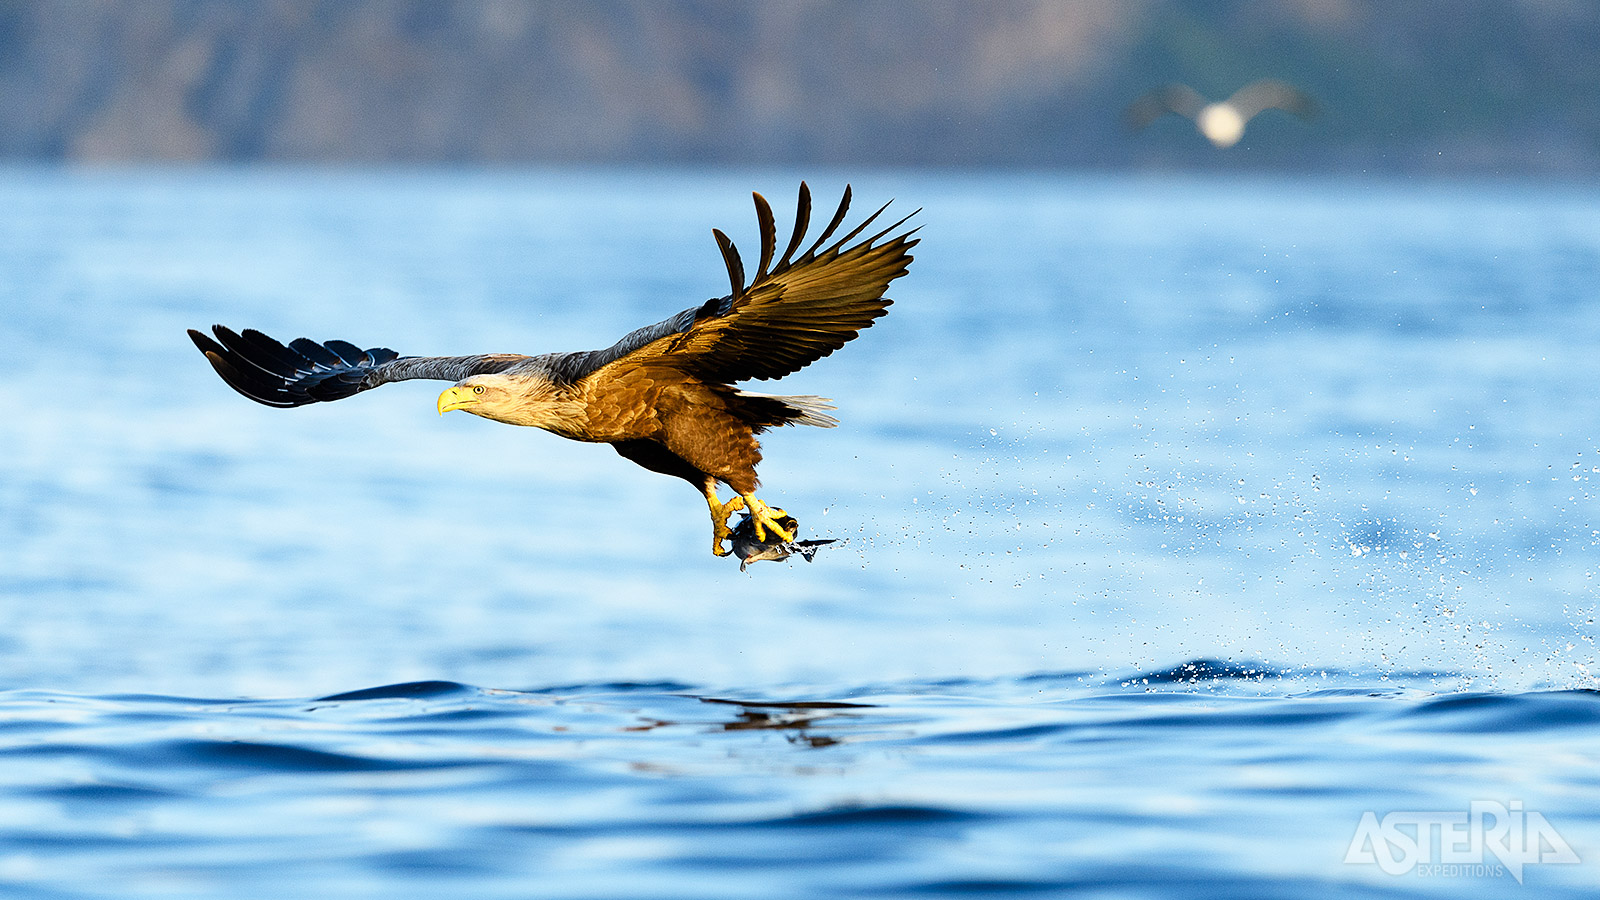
(525, 398)
(480, 395)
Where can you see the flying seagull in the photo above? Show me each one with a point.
(663, 396)
(1222, 123)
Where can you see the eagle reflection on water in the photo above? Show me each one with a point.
(795, 718)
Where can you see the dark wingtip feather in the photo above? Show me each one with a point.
(204, 343)
(769, 233)
(303, 372)
(858, 229)
(267, 353)
(880, 235)
(315, 352)
(802, 221)
(258, 391)
(350, 353)
(730, 256)
(838, 217)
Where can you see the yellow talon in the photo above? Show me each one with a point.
(765, 518)
(719, 517)
(720, 530)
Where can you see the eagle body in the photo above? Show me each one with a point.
(697, 429)
(663, 396)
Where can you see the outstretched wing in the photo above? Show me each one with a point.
(801, 310)
(305, 371)
(793, 313)
(1268, 93)
(1170, 98)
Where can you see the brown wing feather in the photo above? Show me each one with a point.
(803, 309)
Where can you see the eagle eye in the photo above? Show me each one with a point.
(477, 389)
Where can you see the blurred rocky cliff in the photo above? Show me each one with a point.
(1503, 87)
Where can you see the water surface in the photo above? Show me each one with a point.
(1338, 438)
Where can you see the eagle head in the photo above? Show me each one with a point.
(525, 398)
(481, 395)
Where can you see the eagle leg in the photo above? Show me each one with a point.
(719, 516)
(765, 518)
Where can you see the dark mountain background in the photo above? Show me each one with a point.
(1454, 86)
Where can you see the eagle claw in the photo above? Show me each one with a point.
(765, 518)
(719, 520)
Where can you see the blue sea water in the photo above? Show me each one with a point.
(1189, 524)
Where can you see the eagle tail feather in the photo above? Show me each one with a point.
(803, 409)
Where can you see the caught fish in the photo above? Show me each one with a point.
(749, 550)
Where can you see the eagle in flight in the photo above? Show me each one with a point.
(1221, 122)
(663, 396)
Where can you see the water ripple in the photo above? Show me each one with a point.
(573, 788)
(409, 691)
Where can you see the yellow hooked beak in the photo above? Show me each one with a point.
(456, 397)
